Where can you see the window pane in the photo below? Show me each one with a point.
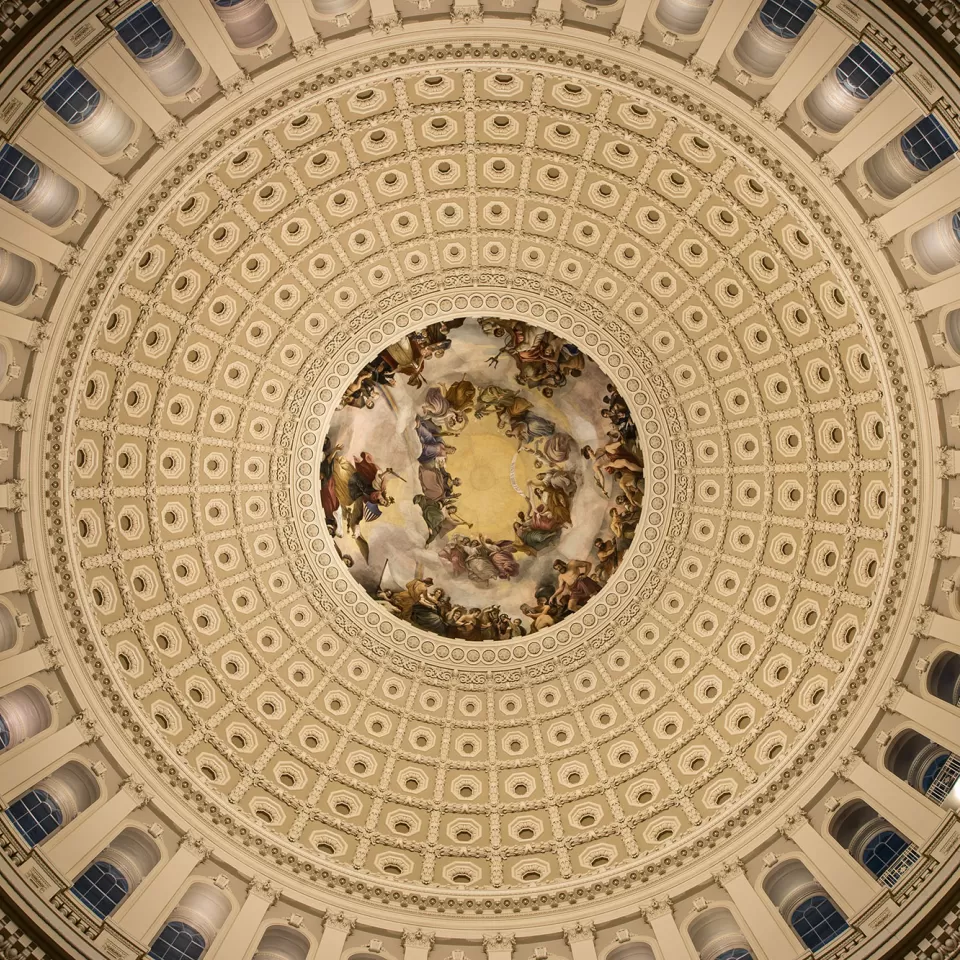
(177, 941)
(101, 887)
(4, 734)
(18, 173)
(738, 954)
(35, 815)
(145, 32)
(927, 144)
(786, 18)
(862, 72)
(73, 97)
(930, 774)
(882, 850)
(817, 922)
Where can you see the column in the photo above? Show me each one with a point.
(938, 294)
(30, 238)
(547, 13)
(847, 883)
(948, 540)
(240, 934)
(336, 929)
(25, 767)
(941, 627)
(821, 49)
(671, 942)
(633, 18)
(724, 26)
(416, 944)
(499, 946)
(14, 670)
(48, 140)
(110, 62)
(895, 800)
(950, 462)
(203, 36)
(15, 579)
(579, 939)
(11, 415)
(942, 187)
(890, 112)
(758, 914)
(940, 723)
(18, 328)
(947, 380)
(150, 904)
(72, 848)
(294, 15)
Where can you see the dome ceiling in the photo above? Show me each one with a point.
(694, 280)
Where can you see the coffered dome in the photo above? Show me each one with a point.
(475, 487)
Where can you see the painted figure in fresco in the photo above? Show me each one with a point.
(543, 360)
(575, 586)
(440, 516)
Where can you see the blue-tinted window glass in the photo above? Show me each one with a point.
(786, 18)
(882, 850)
(18, 173)
(862, 72)
(4, 734)
(817, 921)
(178, 941)
(145, 32)
(926, 144)
(101, 887)
(226, 3)
(73, 97)
(955, 223)
(35, 815)
(930, 774)
(738, 954)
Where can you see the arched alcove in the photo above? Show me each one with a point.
(192, 925)
(847, 89)
(117, 871)
(55, 801)
(282, 943)
(909, 158)
(716, 936)
(34, 188)
(248, 22)
(804, 904)
(159, 50)
(936, 246)
(772, 34)
(683, 16)
(23, 714)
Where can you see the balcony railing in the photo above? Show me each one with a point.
(946, 778)
(897, 870)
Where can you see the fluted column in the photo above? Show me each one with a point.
(152, 901)
(847, 883)
(47, 140)
(30, 238)
(720, 32)
(195, 21)
(23, 768)
(499, 946)
(14, 670)
(336, 929)
(938, 722)
(580, 940)
(110, 62)
(898, 802)
(823, 44)
(672, 943)
(416, 944)
(72, 848)
(890, 112)
(261, 895)
(757, 913)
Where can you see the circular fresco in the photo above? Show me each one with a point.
(482, 478)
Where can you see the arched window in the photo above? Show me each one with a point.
(882, 850)
(282, 943)
(786, 18)
(145, 32)
(249, 23)
(23, 714)
(73, 97)
(862, 72)
(101, 887)
(932, 771)
(927, 144)
(4, 734)
(738, 954)
(943, 680)
(924, 764)
(178, 941)
(683, 16)
(35, 815)
(936, 248)
(18, 174)
(18, 277)
(817, 921)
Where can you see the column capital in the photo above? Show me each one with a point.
(70, 260)
(339, 921)
(417, 938)
(846, 764)
(194, 844)
(891, 698)
(263, 889)
(579, 932)
(728, 870)
(792, 822)
(88, 727)
(826, 167)
(502, 941)
(924, 618)
(49, 653)
(658, 907)
(701, 69)
(26, 575)
(626, 37)
(137, 789)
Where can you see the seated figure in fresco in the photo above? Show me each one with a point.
(575, 586)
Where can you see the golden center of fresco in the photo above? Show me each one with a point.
(482, 478)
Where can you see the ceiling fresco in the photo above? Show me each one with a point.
(482, 478)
